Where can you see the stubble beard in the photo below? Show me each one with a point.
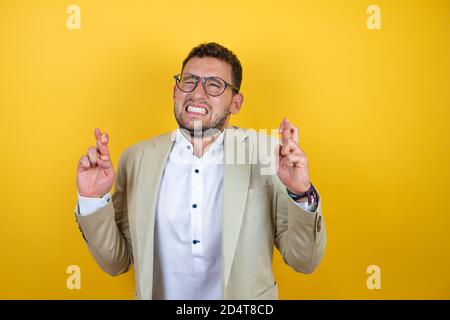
(198, 130)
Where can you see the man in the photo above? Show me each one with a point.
(196, 226)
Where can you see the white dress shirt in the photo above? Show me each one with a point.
(188, 227)
(188, 223)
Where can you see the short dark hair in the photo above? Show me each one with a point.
(215, 50)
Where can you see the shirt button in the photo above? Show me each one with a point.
(196, 171)
(189, 147)
(194, 206)
(195, 241)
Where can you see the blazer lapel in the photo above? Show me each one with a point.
(236, 182)
(151, 171)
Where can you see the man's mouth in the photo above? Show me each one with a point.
(196, 109)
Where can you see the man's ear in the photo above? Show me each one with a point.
(174, 90)
(236, 103)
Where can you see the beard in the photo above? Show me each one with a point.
(200, 130)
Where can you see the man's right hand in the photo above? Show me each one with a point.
(95, 173)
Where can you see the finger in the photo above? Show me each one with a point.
(281, 127)
(290, 160)
(104, 164)
(104, 157)
(92, 155)
(296, 160)
(285, 136)
(102, 141)
(285, 133)
(293, 130)
(107, 166)
(102, 144)
(292, 147)
(84, 162)
(97, 133)
(288, 147)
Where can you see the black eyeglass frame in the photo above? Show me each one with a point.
(177, 78)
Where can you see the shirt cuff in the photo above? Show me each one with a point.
(311, 208)
(87, 205)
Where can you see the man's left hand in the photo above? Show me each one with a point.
(291, 160)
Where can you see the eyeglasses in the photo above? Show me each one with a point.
(213, 86)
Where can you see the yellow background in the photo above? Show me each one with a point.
(372, 107)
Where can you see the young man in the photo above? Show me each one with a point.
(195, 224)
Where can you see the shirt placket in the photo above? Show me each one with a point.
(196, 208)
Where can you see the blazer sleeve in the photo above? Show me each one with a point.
(300, 236)
(106, 231)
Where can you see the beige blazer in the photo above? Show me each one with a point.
(257, 214)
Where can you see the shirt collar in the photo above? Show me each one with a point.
(184, 147)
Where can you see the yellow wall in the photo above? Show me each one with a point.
(372, 107)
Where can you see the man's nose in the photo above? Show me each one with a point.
(199, 91)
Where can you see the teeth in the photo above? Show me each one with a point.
(196, 110)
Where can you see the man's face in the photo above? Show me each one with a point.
(215, 111)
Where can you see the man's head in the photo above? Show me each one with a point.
(210, 108)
